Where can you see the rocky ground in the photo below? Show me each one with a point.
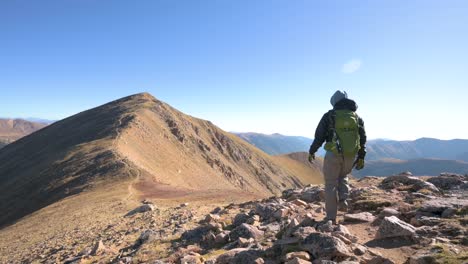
(397, 219)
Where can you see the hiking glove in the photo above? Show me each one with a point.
(359, 164)
(311, 157)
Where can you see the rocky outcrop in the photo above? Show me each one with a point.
(394, 227)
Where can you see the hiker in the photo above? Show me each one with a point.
(345, 136)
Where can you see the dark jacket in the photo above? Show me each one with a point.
(321, 133)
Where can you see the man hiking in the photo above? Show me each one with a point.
(343, 131)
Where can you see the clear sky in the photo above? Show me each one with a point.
(264, 66)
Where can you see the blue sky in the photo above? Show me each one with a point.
(264, 66)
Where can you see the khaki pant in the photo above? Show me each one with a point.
(336, 170)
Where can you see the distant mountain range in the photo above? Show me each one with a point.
(456, 149)
(277, 144)
(420, 167)
(423, 148)
(14, 129)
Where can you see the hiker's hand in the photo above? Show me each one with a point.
(359, 164)
(311, 157)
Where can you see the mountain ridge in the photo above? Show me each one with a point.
(136, 139)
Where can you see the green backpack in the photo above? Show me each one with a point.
(343, 133)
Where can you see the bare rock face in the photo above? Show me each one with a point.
(322, 245)
(394, 227)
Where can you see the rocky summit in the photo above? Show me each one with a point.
(387, 222)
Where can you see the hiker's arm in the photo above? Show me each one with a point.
(320, 134)
(363, 139)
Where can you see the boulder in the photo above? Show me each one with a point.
(439, 205)
(281, 213)
(222, 238)
(211, 218)
(425, 221)
(141, 209)
(322, 245)
(422, 259)
(313, 194)
(192, 258)
(448, 181)
(246, 231)
(297, 261)
(147, 236)
(299, 202)
(388, 212)
(240, 219)
(265, 211)
(303, 232)
(414, 183)
(394, 227)
(359, 217)
(379, 260)
(359, 249)
(325, 226)
(240, 256)
(301, 255)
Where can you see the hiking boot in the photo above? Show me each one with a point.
(343, 206)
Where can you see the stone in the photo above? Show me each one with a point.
(281, 213)
(439, 205)
(291, 227)
(245, 242)
(246, 231)
(247, 256)
(299, 202)
(211, 218)
(301, 254)
(227, 257)
(359, 217)
(426, 258)
(313, 194)
(99, 248)
(197, 234)
(325, 227)
(297, 261)
(141, 209)
(147, 236)
(322, 245)
(449, 212)
(191, 259)
(380, 260)
(303, 232)
(222, 238)
(359, 249)
(240, 219)
(394, 227)
(253, 220)
(414, 183)
(265, 211)
(388, 212)
(425, 221)
(448, 181)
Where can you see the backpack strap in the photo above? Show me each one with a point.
(332, 136)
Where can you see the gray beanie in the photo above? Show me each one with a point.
(338, 96)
